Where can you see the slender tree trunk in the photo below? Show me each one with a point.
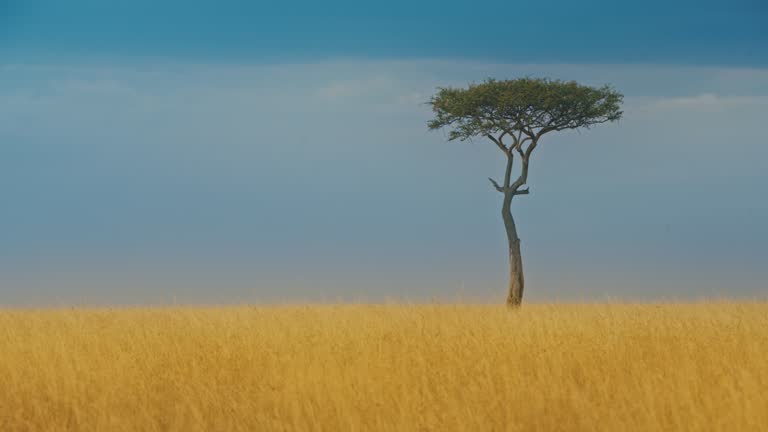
(516, 282)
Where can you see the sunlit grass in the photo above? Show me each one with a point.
(389, 367)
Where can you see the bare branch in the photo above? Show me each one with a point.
(498, 142)
(521, 192)
(508, 171)
(519, 146)
(496, 185)
(530, 148)
(526, 157)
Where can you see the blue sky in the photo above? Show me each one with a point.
(224, 152)
(700, 32)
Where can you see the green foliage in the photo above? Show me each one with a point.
(531, 106)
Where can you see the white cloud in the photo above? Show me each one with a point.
(372, 86)
(711, 102)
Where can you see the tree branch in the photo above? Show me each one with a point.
(519, 146)
(526, 157)
(530, 148)
(508, 171)
(498, 142)
(496, 185)
(504, 131)
(521, 192)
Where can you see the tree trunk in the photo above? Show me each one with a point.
(516, 281)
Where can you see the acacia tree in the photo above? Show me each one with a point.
(514, 115)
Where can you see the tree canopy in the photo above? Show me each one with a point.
(527, 106)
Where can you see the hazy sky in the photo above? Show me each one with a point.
(223, 152)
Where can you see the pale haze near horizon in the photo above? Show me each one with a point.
(160, 181)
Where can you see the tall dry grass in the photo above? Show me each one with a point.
(604, 367)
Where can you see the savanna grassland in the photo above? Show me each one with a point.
(610, 367)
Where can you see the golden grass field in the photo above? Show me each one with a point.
(608, 367)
